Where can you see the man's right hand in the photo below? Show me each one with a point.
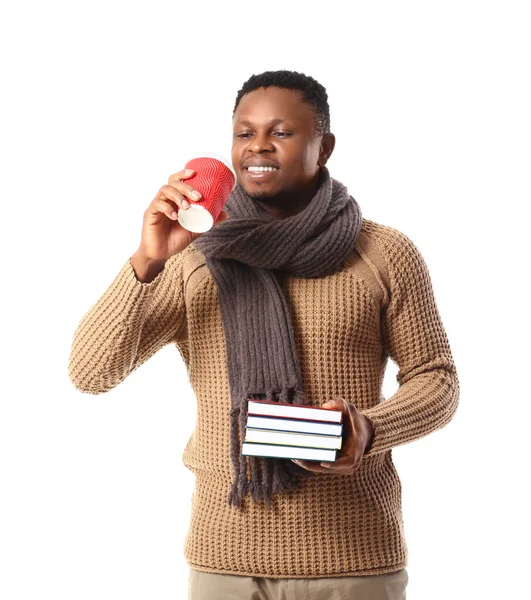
(162, 235)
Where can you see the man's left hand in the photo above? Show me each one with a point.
(357, 435)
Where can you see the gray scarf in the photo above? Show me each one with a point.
(247, 255)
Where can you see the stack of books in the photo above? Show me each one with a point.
(282, 430)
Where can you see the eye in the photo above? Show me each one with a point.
(282, 133)
(241, 135)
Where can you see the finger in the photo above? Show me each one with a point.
(180, 175)
(337, 404)
(310, 465)
(165, 207)
(184, 188)
(170, 193)
(340, 464)
(337, 467)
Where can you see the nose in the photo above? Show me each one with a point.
(260, 143)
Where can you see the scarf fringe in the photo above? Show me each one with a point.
(269, 476)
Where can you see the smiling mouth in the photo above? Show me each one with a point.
(261, 174)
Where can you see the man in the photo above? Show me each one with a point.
(292, 296)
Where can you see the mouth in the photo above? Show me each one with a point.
(260, 174)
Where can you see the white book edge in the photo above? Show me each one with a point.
(294, 425)
(283, 438)
(294, 411)
(251, 449)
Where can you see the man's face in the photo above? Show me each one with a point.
(274, 126)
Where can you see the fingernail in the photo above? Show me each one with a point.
(185, 204)
(196, 195)
(189, 171)
(327, 465)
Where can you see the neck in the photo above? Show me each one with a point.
(291, 202)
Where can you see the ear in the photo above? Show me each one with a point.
(327, 147)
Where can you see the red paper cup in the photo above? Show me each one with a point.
(215, 178)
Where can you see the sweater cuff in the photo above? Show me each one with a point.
(371, 442)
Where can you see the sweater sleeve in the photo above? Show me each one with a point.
(414, 338)
(129, 323)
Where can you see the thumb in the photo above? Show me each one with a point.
(336, 402)
(329, 403)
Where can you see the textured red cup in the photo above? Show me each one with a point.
(215, 178)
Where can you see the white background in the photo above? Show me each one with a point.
(100, 103)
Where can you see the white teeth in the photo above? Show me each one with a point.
(259, 169)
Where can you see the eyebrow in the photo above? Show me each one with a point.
(250, 123)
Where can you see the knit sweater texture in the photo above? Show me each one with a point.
(380, 306)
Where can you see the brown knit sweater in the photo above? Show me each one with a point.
(346, 326)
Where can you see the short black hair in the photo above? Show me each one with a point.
(312, 92)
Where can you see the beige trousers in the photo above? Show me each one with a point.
(215, 586)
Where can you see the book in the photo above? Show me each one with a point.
(274, 451)
(284, 438)
(295, 425)
(293, 411)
